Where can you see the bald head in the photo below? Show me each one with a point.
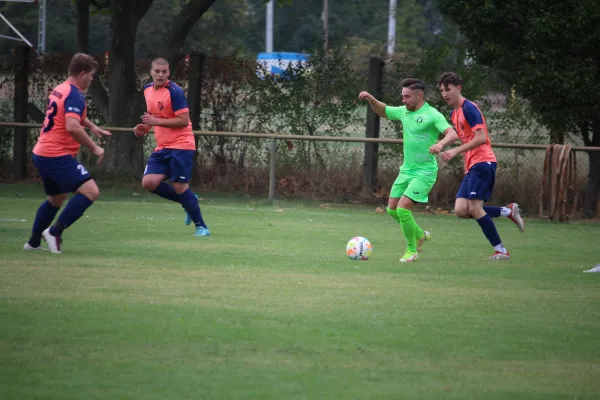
(160, 72)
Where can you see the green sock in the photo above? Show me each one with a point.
(409, 227)
(419, 232)
(393, 214)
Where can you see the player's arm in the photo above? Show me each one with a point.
(475, 119)
(142, 129)
(95, 129)
(79, 134)
(377, 106)
(478, 139)
(179, 121)
(450, 135)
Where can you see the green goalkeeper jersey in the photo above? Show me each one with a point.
(421, 130)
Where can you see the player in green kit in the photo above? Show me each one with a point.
(422, 125)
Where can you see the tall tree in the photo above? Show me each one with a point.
(550, 49)
(122, 103)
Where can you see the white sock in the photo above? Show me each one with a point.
(505, 211)
(501, 248)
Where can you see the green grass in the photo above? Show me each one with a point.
(269, 307)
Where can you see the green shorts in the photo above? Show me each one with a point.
(415, 186)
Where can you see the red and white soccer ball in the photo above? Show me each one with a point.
(359, 248)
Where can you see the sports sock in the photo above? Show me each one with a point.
(409, 227)
(418, 232)
(393, 214)
(496, 212)
(500, 248)
(190, 204)
(166, 191)
(489, 230)
(72, 212)
(43, 218)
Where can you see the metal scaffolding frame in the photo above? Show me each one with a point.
(41, 47)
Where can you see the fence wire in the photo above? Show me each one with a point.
(324, 170)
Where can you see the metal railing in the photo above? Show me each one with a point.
(279, 136)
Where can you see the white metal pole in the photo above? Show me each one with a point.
(42, 26)
(269, 27)
(391, 29)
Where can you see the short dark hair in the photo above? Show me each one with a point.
(160, 61)
(82, 63)
(449, 78)
(413, 84)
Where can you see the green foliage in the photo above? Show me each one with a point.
(428, 64)
(6, 134)
(548, 49)
(516, 123)
(315, 98)
(237, 26)
(231, 102)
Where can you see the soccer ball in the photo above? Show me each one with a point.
(359, 248)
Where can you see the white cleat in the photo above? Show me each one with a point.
(595, 269)
(499, 256)
(515, 216)
(409, 257)
(29, 247)
(53, 241)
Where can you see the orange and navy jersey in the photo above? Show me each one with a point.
(65, 101)
(466, 120)
(169, 102)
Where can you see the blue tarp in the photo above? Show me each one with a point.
(277, 62)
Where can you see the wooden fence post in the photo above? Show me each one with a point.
(20, 112)
(196, 68)
(372, 128)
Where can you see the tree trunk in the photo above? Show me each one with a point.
(124, 152)
(96, 90)
(557, 135)
(124, 104)
(83, 25)
(372, 129)
(593, 185)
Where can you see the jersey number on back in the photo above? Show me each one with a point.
(50, 114)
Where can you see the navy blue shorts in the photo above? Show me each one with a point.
(61, 174)
(175, 164)
(479, 182)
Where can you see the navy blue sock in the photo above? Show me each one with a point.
(492, 211)
(44, 217)
(190, 204)
(489, 230)
(166, 191)
(74, 210)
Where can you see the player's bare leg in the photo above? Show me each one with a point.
(152, 183)
(461, 208)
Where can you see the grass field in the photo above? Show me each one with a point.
(270, 307)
